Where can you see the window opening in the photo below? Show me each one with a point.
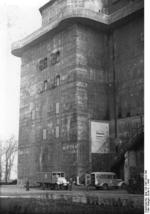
(33, 114)
(45, 85)
(55, 57)
(43, 64)
(57, 131)
(57, 108)
(44, 134)
(57, 80)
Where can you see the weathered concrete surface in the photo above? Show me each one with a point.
(67, 80)
(63, 10)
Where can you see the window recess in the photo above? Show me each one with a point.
(42, 64)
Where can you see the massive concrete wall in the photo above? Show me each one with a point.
(58, 99)
(91, 57)
(67, 80)
(128, 41)
(95, 69)
(129, 66)
(47, 106)
(50, 13)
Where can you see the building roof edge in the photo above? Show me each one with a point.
(17, 47)
(46, 5)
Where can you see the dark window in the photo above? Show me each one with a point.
(62, 174)
(43, 64)
(55, 57)
(128, 114)
(119, 112)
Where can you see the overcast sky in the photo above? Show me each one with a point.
(18, 18)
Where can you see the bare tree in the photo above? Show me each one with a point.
(8, 152)
(0, 160)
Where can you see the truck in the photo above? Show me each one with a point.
(104, 180)
(52, 180)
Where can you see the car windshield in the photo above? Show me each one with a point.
(58, 174)
(62, 175)
(106, 176)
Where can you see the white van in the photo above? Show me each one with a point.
(105, 180)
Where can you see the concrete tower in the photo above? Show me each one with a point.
(84, 64)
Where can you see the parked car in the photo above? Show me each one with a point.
(105, 180)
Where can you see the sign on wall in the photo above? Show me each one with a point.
(100, 137)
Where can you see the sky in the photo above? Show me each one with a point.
(19, 18)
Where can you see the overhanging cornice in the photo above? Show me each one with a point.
(46, 5)
(71, 14)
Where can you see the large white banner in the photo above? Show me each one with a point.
(100, 137)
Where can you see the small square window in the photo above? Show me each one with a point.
(57, 108)
(44, 134)
(55, 57)
(57, 131)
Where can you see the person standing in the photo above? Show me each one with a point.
(27, 185)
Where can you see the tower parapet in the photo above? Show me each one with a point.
(99, 13)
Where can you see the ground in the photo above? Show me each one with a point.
(78, 200)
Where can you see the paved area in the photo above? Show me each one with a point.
(14, 190)
(79, 200)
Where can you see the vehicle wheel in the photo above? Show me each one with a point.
(61, 187)
(66, 187)
(105, 186)
(123, 186)
(43, 186)
(97, 188)
(56, 187)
